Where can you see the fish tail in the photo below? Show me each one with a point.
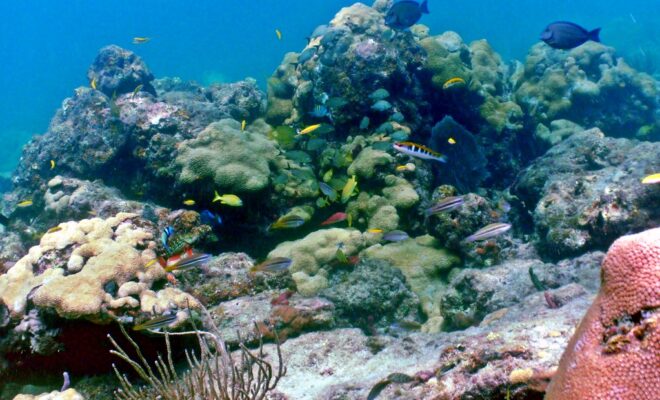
(424, 7)
(442, 159)
(595, 35)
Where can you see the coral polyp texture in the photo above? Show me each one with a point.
(615, 352)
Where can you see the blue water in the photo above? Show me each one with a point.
(46, 46)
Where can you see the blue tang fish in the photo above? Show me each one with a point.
(405, 13)
(567, 35)
(207, 217)
(165, 237)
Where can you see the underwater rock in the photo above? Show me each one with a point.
(465, 151)
(198, 106)
(116, 71)
(374, 294)
(590, 86)
(423, 263)
(476, 363)
(474, 293)
(237, 318)
(615, 351)
(74, 199)
(246, 167)
(586, 191)
(368, 162)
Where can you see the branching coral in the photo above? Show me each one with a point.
(214, 374)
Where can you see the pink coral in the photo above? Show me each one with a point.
(615, 352)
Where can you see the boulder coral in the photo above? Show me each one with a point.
(615, 352)
(313, 254)
(233, 160)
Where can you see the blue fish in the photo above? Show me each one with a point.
(567, 35)
(165, 237)
(207, 217)
(405, 13)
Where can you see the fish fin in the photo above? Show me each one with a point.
(442, 159)
(594, 35)
(4, 220)
(424, 7)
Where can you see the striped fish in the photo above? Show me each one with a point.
(419, 151)
(446, 205)
(155, 323)
(188, 262)
(488, 232)
(276, 264)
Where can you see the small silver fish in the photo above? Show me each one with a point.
(446, 205)
(276, 264)
(488, 232)
(395, 236)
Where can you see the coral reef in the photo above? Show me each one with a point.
(585, 192)
(589, 86)
(69, 394)
(116, 71)
(615, 351)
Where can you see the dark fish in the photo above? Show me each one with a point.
(535, 280)
(446, 205)
(276, 264)
(207, 217)
(375, 391)
(398, 377)
(395, 236)
(188, 262)
(488, 232)
(405, 13)
(567, 35)
(155, 323)
(287, 222)
(321, 111)
(307, 55)
(328, 191)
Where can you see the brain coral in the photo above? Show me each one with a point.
(235, 160)
(615, 352)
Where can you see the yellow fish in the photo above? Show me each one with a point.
(375, 230)
(136, 90)
(52, 164)
(189, 202)
(243, 123)
(92, 84)
(453, 82)
(228, 199)
(348, 189)
(140, 40)
(24, 203)
(401, 168)
(279, 34)
(309, 129)
(328, 175)
(54, 229)
(655, 178)
(451, 140)
(150, 263)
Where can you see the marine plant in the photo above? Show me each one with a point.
(213, 374)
